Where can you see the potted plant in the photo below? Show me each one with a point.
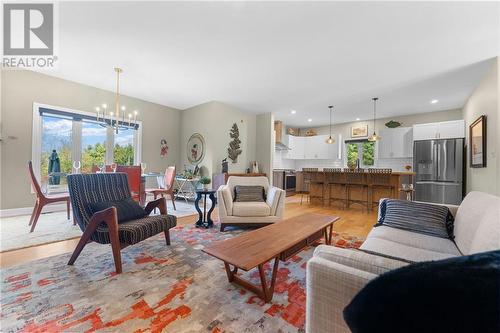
(205, 181)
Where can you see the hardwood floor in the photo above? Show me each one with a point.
(353, 222)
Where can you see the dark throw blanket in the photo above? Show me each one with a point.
(458, 295)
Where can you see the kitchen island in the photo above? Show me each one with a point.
(347, 187)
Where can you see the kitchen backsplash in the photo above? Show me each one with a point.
(396, 164)
(282, 163)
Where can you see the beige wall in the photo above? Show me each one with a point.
(484, 101)
(406, 121)
(265, 143)
(20, 89)
(214, 120)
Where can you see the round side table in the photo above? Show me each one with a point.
(204, 220)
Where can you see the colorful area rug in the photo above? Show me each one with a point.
(162, 289)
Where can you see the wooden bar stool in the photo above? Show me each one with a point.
(380, 180)
(317, 187)
(357, 184)
(306, 186)
(335, 180)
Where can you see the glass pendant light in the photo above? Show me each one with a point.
(374, 137)
(330, 140)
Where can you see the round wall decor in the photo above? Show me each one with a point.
(196, 148)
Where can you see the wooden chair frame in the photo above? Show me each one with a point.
(43, 199)
(164, 191)
(110, 217)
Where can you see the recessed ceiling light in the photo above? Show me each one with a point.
(357, 119)
(434, 101)
(309, 120)
(293, 112)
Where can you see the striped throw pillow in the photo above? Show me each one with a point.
(249, 193)
(424, 218)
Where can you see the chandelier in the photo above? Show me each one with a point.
(116, 119)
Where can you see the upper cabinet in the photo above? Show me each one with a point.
(442, 130)
(296, 148)
(311, 148)
(396, 143)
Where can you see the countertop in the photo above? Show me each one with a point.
(399, 173)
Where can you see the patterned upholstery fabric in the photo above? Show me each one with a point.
(85, 189)
(135, 231)
(249, 193)
(420, 217)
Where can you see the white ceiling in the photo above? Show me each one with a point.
(281, 56)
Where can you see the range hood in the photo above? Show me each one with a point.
(279, 130)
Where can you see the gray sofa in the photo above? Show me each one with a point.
(335, 275)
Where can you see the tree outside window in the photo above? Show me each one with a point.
(365, 149)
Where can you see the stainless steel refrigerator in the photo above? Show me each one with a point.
(439, 168)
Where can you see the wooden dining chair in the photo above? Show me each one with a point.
(43, 199)
(134, 173)
(169, 186)
(96, 169)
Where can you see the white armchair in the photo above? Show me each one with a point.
(249, 213)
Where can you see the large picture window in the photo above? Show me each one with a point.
(94, 142)
(70, 136)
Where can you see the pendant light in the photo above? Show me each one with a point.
(330, 140)
(374, 137)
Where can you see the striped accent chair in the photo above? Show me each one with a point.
(103, 226)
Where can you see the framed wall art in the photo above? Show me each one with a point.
(477, 143)
(360, 131)
(196, 148)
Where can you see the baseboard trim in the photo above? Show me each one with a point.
(28, 210)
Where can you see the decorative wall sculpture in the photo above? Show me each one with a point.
(234, 145)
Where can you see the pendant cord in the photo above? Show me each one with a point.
(330, 122)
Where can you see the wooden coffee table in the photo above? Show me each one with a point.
(278, 241)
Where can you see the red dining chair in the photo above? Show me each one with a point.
(135, 183)
(43, 199)
(96, 169)
(169, 186)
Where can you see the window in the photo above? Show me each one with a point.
(364, 151)
(93, 145)
(76, 136)
(56, 142)
(123, 151)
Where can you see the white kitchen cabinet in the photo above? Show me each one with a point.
(442, 130)
(296, 145)
(311, 148)
(451, 129)
(333, 149)
(396, 143)
(315, 148)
